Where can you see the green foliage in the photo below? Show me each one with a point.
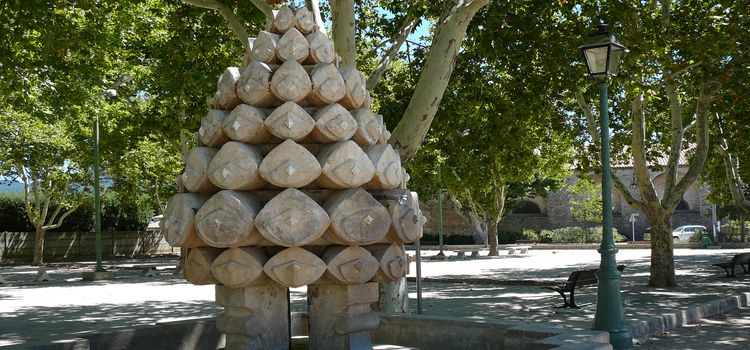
(492, 150)
(530, 235)
(12, 214)
(732, 231)
(580, 235)
(585, 200)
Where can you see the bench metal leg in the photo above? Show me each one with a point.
(730, 273)
(565, 300)
(475, 254)
(573, 299)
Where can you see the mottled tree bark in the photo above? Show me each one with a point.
(344, 32)
(39, 246)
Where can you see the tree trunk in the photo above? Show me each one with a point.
(393, 297)
(344, 32)
(662, 250)
(492, 238)
(478, 229)
(743, 233)
(39, 246)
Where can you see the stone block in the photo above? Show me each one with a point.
(349, 265)
(178, 223)
(340, 316)
(227, 220)
(356, 218)
(240, 267)
(292, 219)
(295, 267)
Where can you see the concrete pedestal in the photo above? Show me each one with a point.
(341, 317)
(255, 318)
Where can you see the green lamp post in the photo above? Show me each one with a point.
(99, 272)
(603, 54)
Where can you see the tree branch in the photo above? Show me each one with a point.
(263, 7)
(675, 149)
(228, 13)
(315, 8)
(638, 149)
(37, 199)
(590, 120)
(50, 194)
(410, 22)
(62, 218)
(665, 13)
(412, 129)
(591, 126)
(702, 145)
(731, 168)
(45, 208)
(26, 193)
(632, 201)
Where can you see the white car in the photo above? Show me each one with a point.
(153, 224)
(683, 233)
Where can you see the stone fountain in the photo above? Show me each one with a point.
(293, 183)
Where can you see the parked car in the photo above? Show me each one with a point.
(683, 233)
(153, 224)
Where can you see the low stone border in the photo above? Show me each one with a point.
(675, 320)
(444, 332)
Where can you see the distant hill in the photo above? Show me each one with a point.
(12, 187)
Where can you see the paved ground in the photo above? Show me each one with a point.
(35, 313)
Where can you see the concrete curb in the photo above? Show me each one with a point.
(675, 320)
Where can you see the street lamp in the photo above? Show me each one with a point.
(603, 54)
(99, 273)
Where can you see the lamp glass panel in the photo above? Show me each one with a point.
(596, 58)
(614, 60)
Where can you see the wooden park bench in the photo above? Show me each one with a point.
(578, 278)
(742, 259)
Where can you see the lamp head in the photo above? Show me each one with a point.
(603, 53)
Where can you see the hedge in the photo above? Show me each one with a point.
(117, 215)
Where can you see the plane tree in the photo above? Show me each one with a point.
(664, 101)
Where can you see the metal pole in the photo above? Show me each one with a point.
(97, 199)
(610, 315)
(419, 277)
(440, 210)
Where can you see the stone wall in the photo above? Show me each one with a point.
(75, 245)
(454, 222)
